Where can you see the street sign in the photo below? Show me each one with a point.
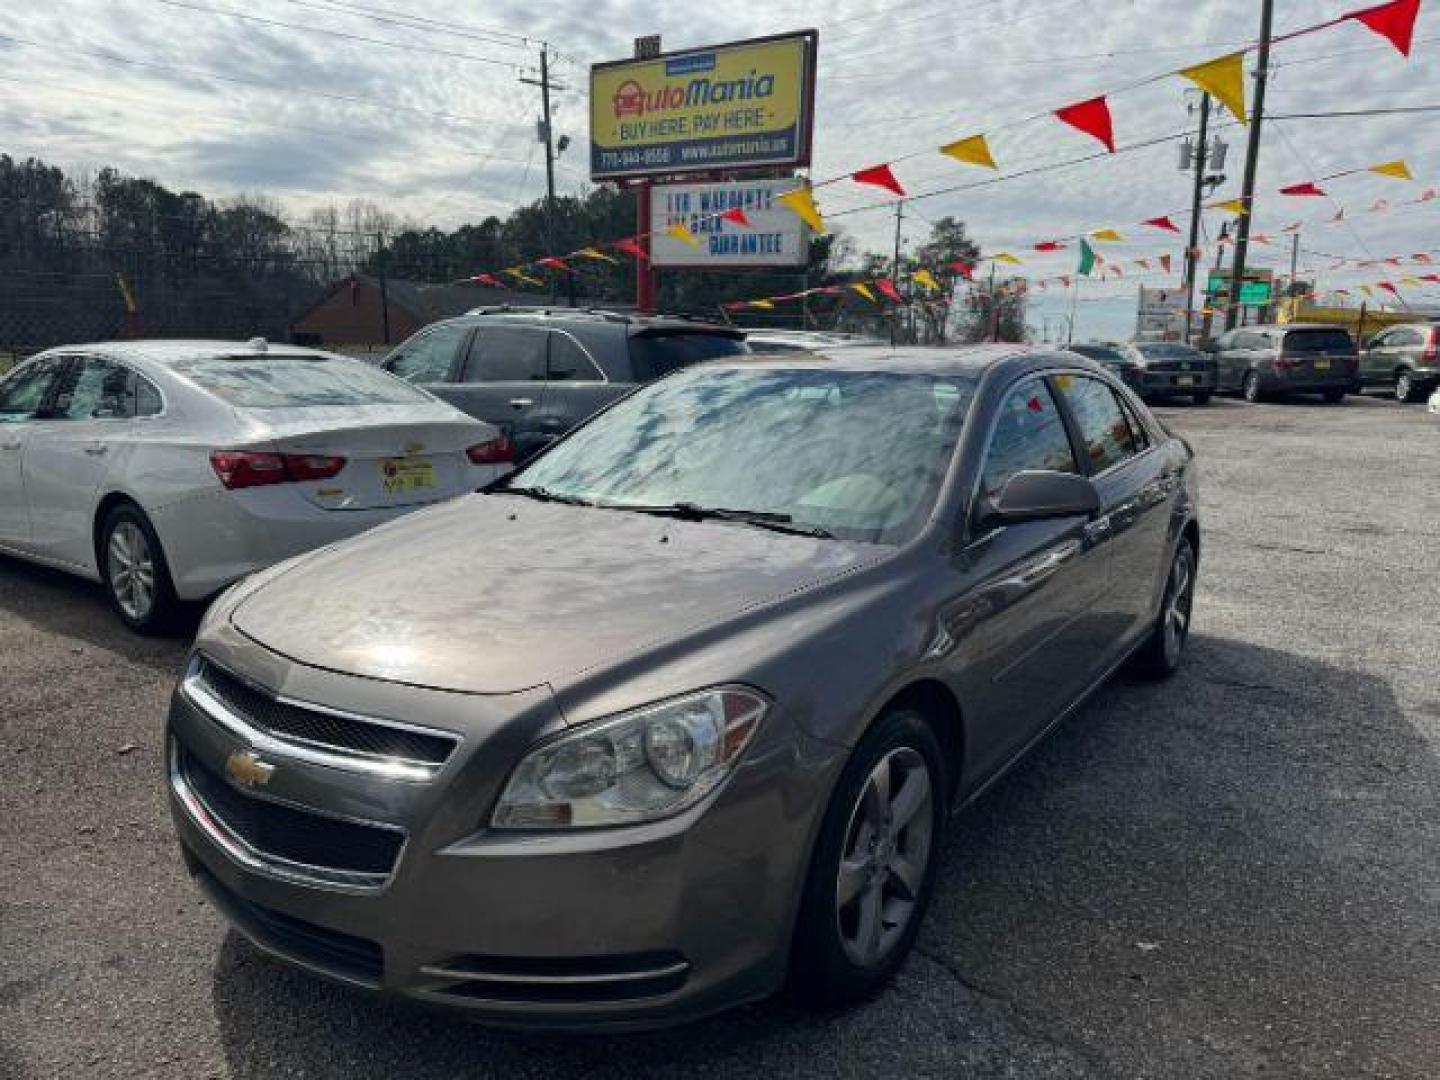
(748, 103)
(775, 236)
(1255, 290)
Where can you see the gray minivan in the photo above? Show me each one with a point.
(1403, 357)
(1288, 358)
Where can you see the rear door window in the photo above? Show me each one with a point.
(93, 389)
(1029, 435)
(290, 382)
(654, 354)
(1317, 341)
(427, 356)
(507, 354)
(1104, 432)
(23, 394)
(569, 362)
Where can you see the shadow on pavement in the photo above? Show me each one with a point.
(1221, 875)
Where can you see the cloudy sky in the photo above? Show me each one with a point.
(417, 104)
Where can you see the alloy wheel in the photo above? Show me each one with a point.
(1404, 386)
(885, 857)
(1179, 597)
(131, 570)
(1251, 387)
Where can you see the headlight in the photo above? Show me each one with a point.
(640, 766)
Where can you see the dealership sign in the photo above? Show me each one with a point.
(774, 236)
(730, 106)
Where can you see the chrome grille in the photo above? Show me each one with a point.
(314, 732)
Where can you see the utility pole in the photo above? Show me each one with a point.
(1252, 160)
(1219, 257)
(895, 268)
(380, 260)
(1191, 252)
(548, 138)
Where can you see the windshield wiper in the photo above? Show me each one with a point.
(763, 519)
(541, 494)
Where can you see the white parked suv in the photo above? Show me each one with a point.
(169, 469)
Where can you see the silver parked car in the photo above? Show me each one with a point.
(695, 719)
(1406, 358)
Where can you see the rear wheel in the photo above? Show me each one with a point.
(1335, 396)
(1250, 388)
(1200, 397)
(1159, 657)
(134, 570)
(874, 864)
(1405, 389)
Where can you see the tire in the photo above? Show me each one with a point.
(1250, 388)
(134, 570)
(1405, 388)
(1160, 656)
(833, 961)
(1334, 397)
(1200, 397)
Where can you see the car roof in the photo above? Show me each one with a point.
(962, 360)
(636, 323)
(167, 352)
(1278, 328)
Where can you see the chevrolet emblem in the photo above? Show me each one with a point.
(246, 769)
(414, 447)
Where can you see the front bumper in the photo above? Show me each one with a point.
(626, 927)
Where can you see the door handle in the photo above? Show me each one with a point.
(521, 402)
(97, 449)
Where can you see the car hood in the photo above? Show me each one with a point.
(498, 593)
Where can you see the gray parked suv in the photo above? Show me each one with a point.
(1290, 358)
(1404, 357)
(537, 372)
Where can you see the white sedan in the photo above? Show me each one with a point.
(168, 469)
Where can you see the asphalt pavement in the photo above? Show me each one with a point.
(1233, 874)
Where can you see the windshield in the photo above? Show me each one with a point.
(1156, 350)
(291, 382)
(1318, 341)
(659, 353)
(858, 454)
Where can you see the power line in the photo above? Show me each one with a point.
(388, 16)
(224, 13)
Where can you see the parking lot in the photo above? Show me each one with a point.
(1230, 874)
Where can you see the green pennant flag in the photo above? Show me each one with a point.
(1087, 259)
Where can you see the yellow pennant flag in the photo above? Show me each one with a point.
(1223, 79)
(864, 290)
(762, 304)
(1367, 290)
(973, 151)
(924, 277)
(520, 276)
(1413, 282)
(1005, 257)
(594, 253)
(802, 202)
(1106, 234)
(1233, 206)
(1397, 169)
(680, 231)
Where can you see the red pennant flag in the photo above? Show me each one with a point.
(554, 263)
(1050, 245)
(1393, 260)
(1428, 194)
(1307, 188)
(1430, 277)
(737, 216)
(1165, 262)
(1380, 204)
(489, 279)
(630, 247)
(964, 269)
(1422, 257)
(1395, 22)
(1388, 287)
(1162, 223)
(1260, 238)
(886, 286)
(880, 176)
(1093, 118)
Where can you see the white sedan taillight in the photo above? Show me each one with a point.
(248, 468)
(497, 451)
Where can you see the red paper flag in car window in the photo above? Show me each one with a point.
(1395, 22)
(1034, 404)
(1093, 118)
(880, 176)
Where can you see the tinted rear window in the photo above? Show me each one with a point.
(1103, 353)
(1318, 341)
(297, 382)
(659, 354)
(1167, 351)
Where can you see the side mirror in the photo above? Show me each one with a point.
(1042, 495)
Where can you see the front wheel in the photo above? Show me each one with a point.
(1159, 657)
(134, 570)
(874, 864)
